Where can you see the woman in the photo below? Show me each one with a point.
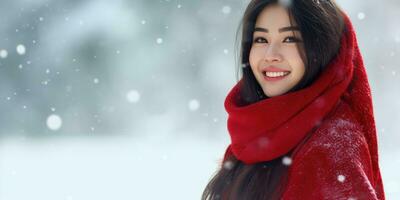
(301, 118)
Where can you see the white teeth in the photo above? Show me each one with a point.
(276, 74)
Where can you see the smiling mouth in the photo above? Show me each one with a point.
(275, 74)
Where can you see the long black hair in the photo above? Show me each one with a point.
(321, 25)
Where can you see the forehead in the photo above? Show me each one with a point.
(273, 17)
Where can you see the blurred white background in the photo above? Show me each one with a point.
(124, 99)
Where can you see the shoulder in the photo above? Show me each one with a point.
(339, 137)
(334, 161)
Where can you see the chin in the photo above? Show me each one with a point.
(273, 93)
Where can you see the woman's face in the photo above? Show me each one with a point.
(275, 45)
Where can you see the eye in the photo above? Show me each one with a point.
(292, 39)
(259, 39)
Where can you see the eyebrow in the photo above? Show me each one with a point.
(288, 28)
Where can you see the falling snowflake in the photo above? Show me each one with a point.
(286, 160)
(194, 104)
(3, 53)
(361, 15)
(143, 21)
(226, 10)
(226, 51)
(159, 40)
(21, 49)
(341, 178)
(54, 122)
(133, 96)
(179, 6)
(95, 80)
(41, 19)
(228, 165)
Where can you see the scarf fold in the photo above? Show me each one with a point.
(270, 128)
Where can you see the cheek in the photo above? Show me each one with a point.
(294, 58)
(254, 57)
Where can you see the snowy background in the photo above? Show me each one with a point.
(124, 99)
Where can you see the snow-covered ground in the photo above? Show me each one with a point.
(107, 168)
(122, 168)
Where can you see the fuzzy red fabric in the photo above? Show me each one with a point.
(329, 126)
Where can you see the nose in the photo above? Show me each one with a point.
(272, 54)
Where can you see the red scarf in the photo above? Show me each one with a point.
(270, 128)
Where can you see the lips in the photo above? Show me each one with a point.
(273, 69)
(272, 73)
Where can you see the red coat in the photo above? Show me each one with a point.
(334, 162)
(329, 125)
